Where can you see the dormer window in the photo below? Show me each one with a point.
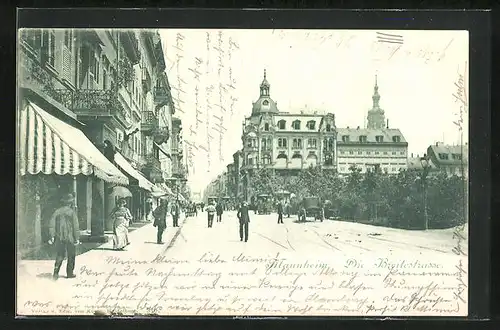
(266, 102)
(281, 124)
(345, 138)
(311, 124)
(379, 138)
(328, 127)
(456, 156)
(296, 124)
(443, 156)
(266, 127)
(362, 139)
(396, 138)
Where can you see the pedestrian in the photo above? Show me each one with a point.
(195, 206)
(160, 215)
(175, 214)
(149, 209)
(244, 219)
(280, 212)
(219, 209)
(211, 212)
(287, 209)
(121, 220)
(64, 233)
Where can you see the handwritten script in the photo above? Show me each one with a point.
(244, 284)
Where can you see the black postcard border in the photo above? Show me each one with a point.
(476, 22)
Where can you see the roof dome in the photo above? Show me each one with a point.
(264, 103)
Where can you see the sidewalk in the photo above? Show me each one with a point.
(142, 244)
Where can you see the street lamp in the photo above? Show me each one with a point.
(425, 171)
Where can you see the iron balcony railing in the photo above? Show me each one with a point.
(149, 122)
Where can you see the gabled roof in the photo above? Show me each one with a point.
(436, 149)
(371, 134)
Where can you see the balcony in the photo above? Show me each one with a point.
(161, 135)
(146, 80)
(131, 46)
(161, 96)
(92, 102)
(33, 72)
(149, 123)
(152, 169)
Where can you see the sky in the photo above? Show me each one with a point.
(215, 77)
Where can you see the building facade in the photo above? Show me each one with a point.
(450, 159)
(376, 146)
(98, 105)
(285, 142)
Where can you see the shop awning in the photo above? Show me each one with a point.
(48, 145)
(127, 167)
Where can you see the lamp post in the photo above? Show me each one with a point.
(425, 171)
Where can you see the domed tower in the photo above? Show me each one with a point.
(376, 116)
(264, 104)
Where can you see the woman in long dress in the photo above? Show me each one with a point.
(121, 220)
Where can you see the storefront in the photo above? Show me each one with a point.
(56, 158)
(140, 187)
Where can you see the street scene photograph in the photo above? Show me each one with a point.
(223, 172)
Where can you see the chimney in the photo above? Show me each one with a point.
(412, 155)
(437, 144)
(357, 127)
(387, 123)
(347, 127)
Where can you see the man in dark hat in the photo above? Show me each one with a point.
(64, 233)
(160, 215)
(280, 212)
(244, 218)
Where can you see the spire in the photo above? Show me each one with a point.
(376, 95)
(264, 86)
(376, 117)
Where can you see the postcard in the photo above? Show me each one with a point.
(200, 172)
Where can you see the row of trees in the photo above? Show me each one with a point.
(393, 200)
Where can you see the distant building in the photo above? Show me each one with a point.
(377, 145)
(451, 159)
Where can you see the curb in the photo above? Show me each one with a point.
(174, 238)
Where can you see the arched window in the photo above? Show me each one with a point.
(249, 160)
(328, 127)
(266, 127)
(266, 102)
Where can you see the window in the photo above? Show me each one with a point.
(296, 124)
(311, 143)
(297, 143)
(32, 39)
(360, 152)
(345, 138)
(266, 102)
(281, 124)
(351, 152)
(249, 160)
(379, 138)
(328, 127)
(94, 66)
(456, 156)
(342, 152)
(402, 153)
(282, 142)
(311, 124)
(443, 156)
(396, 138)
(266, 160)
(49, 47)
(385, 152)
(68, 40)
(393, 152)
(362, 138)
(376, 152)
(266, 127)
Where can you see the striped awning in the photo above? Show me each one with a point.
(127, 167)
(48, 145)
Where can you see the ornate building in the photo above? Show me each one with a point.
(376, 146)
(285, 142)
